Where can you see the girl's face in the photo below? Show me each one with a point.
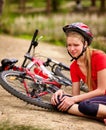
(74, 45)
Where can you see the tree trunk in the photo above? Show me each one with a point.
(102, 5)
(55, 5)
(48, 6)
(1, 6)
(22, 5)
(93, 3)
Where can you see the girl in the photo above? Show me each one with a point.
(88, 65)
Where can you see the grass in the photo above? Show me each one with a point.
(8, 126)
(50, 26)
(99, 44)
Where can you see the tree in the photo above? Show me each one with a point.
(93, 3)
(102, 5)
(22, 5)
(52, 5)
(55, 5)
(48, 6)
(1, 6)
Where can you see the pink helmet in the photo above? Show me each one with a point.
(80, 28)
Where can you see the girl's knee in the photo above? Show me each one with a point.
(88, 108)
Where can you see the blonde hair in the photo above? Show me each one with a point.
(88, 54)
(75, 34)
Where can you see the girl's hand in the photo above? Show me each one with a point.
(66, 102)
(57, 95)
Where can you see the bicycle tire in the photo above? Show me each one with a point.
(59, 72)
(10, 84)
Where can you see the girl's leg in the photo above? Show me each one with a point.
(105, 121)
(101, 111)
(75, 111)
(100, 117)
(94, 108)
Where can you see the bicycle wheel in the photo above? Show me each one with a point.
(63, 73)
(24, 88)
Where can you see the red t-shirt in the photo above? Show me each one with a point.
(98, 62)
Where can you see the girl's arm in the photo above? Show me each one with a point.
(101, 88)
(76, 88)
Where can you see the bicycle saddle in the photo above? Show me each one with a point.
(6, 62)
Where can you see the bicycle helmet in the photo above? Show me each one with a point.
(81, 28)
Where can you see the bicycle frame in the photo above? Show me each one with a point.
(42, 81)
(42, 70)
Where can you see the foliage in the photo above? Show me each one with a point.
(99, 44)
(50, 26)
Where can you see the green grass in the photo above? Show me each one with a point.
(99, 45)
(8, 126)
(25, 36)
(50, 26)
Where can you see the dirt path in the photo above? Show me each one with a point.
(18, 112)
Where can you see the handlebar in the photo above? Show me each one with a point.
(47, 63)
(64, 66)
(35, 34)
(33, 42)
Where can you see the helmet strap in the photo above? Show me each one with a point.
(76, 58)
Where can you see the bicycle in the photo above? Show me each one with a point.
(33, 86)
